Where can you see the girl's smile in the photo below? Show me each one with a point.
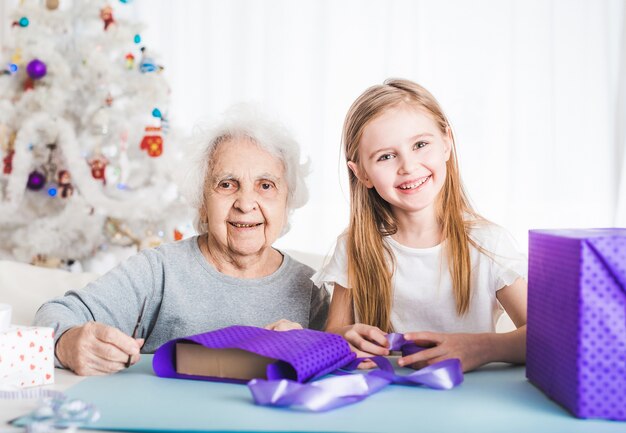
(413, 186)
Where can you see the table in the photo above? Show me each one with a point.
(9, 409)
(493, 399)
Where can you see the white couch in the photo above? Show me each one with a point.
(26, 287)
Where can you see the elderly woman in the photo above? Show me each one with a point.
(251, 179)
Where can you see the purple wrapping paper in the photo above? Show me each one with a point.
(301, 355)
(576, 334)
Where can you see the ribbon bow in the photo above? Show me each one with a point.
(347, 388)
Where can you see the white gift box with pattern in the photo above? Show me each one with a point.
(26, 355)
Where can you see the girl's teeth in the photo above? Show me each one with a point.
(414, 185)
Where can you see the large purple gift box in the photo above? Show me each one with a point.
(576, 335)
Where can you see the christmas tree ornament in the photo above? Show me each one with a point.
(106, 13)
(17, 57)
(36, 69)
(8, 162)
(152, 142)
(52, 191)
(147, 64)
(130, 61)
(137, 39)
(11, 69)
(36, 180)
(98, 167)
(50, 168)
(65, 184)
(7, 144)
(52, 4)
(177, 235)
(29, 84)
(23, 22)
(156, 113)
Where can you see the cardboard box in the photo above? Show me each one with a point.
(26, 356)
(196, 360)
(576, 334)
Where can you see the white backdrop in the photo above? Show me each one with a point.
(534, 89)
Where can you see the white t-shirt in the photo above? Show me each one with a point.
(423, 299)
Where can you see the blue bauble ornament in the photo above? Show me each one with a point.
(156, 113)
(137, 38)
(36, 69)
(24, 22)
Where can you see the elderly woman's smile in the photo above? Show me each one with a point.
(245, 204)
(242, 225)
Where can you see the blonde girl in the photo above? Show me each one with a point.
(416, 258)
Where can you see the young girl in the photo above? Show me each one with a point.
(416, 258)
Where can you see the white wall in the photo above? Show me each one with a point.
(530, 88)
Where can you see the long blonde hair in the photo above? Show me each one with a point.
(370, 261)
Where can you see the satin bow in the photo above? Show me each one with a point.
(348, 388)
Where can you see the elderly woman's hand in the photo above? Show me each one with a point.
(283, 325)
(96, 349)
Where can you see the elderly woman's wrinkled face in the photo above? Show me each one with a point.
(246, 198)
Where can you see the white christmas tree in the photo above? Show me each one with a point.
(87, 158)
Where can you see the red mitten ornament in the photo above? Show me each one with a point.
(152, 142)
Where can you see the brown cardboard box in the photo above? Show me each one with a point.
(197, 360)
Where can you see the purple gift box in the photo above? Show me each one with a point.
(576, 334)
(300, 354)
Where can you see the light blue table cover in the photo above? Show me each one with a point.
(497, 398)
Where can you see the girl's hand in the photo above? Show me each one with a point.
(366, 341)
(470, 349)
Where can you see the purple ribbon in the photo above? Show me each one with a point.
(346, 388)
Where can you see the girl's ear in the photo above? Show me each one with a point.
(447, 142)
(360, 174)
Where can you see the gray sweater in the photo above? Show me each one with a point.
(186, 295)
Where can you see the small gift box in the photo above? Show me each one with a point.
(26, 356)
(240, 353)
(576, 334)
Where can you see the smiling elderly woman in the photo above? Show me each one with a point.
(249, 180)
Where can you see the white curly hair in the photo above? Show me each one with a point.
(246, 121)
